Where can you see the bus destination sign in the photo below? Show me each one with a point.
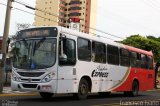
(37, 32)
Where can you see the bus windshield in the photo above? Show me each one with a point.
(35, 53)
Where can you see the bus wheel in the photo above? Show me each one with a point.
(46, 95)
(135, 90)
(82, 90)
(104, 94)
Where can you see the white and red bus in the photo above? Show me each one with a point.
(53, 60)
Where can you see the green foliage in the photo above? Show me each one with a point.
(148, 43)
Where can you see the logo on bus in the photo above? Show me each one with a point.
(100, 72)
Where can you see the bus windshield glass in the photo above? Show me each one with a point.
(35, 53)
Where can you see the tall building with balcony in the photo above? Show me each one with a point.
(85, 10)
(43, 15)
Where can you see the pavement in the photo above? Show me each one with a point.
(115, 99)
(7, 91)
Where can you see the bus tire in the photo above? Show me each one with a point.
(83, 90)
(104, 94)
(135, 90)
(46, 95)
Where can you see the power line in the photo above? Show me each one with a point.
(106, 33)
(102, 36)
(30, 13)
(35, 14)
(125, 21)
(150, 4)
(3, 4)
(52, 20)
(30, 7)
(25, 4)
(155, 4)
(58, 22)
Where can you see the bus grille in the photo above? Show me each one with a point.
(36, 80)
(30, 74)
(29, 85)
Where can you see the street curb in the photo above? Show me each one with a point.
(18, 94)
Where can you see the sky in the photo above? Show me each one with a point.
(118, 17)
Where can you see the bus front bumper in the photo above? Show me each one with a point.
(37, 87)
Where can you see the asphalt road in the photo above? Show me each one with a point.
(149, 98)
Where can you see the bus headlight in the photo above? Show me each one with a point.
(48, 77)
(14, 77)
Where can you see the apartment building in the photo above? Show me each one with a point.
(63, 12)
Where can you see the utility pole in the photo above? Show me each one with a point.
(5, 37)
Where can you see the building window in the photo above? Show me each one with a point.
(74, 14)
(84, 49)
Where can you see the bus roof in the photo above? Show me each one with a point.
(149, 53)
(97, 38)
(105, 40)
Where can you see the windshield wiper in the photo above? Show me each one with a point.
(37, 45)
(25, 43)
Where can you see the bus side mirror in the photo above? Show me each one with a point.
(63, 58)
(62, 55)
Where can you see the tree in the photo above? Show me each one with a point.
(154, 38)
(149, 43)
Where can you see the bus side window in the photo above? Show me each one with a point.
(150, 62)
(84, 49)
(112, 55)
(133, 59)
(98, 52)
(144, 61)
(138, 60)
(69, 50)
(124, 57)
